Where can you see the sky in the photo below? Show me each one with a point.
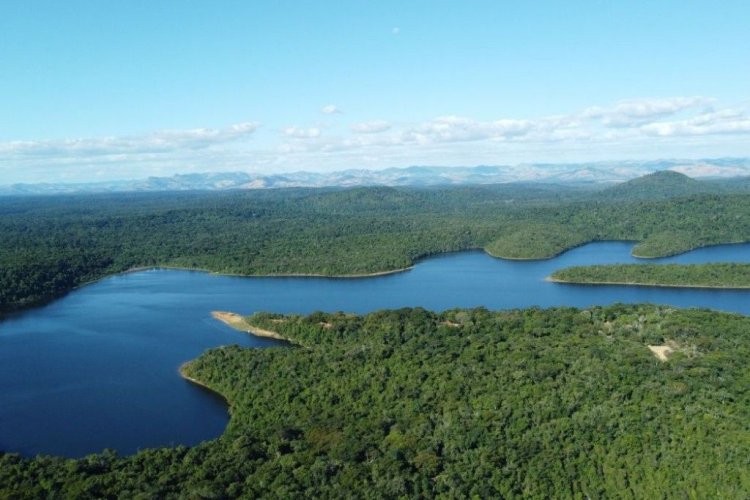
(94, 90)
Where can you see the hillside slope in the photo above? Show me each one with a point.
(659, 185)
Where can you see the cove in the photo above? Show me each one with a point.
(98, 368)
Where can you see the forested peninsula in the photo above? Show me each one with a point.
(411, 403)
(51, 244)
(714, 275)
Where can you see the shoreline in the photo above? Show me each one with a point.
(568, 249)
(268, 275)
(234, 320)
(375, 274)
(699, 247)
(159, 267)
(652, 285)
(184, 376)
(416, 261)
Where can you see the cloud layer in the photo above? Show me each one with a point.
(636, 127)
(157, 142)
(624, 122)
(641, 111)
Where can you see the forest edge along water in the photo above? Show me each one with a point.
(98, 368)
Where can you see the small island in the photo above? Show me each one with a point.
(715, 275)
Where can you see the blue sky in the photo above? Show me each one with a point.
(93, 90)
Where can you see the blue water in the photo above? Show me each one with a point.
(98, 368)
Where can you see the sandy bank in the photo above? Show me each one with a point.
(238, 323)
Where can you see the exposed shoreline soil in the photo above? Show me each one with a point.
(238, 323)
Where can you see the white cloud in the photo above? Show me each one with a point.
(330, 109)
(371, 127)
(726, 121)
(591, 129)
(160, 141)
(635, 112)
(296, 132)
(461, 129)
(634, 128)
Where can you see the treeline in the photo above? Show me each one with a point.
(690, 275)
(559, 403)
(49, 245)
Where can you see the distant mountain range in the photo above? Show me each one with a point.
(583, 173)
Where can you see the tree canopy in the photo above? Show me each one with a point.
(712, 275)
(562, 403)
(49, 245)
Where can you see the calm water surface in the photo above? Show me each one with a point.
(98, 368)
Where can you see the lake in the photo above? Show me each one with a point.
(98, 368)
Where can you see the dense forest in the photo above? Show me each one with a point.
(558, 403)
(731, 275)
(51, 244)
(409, 403)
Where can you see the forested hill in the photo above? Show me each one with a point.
(49, 245)
(662, 184)
(559, 403)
